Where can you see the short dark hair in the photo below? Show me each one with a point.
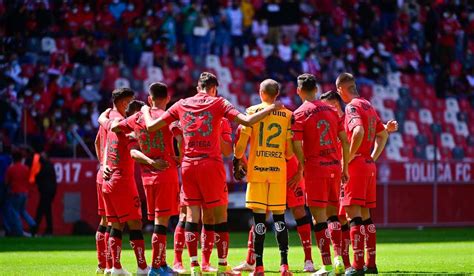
(270, 87)
(207, 80)
(121, 93)
(344, 77)
(158, 90)
(17, 155)
(331, 95)
(307, 82)
(133, 107)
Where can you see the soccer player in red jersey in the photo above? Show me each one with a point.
(103, 230)
(203, 174)
(332, 98)
(158, 170)
(122, 203)
(321, 164)
(367, 136)
(226, 149)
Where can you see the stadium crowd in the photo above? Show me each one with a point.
(61, 59)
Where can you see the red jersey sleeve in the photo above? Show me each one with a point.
(226, 130)
(128, 124)
(230, 112)
(133, 144)
(172, 114)
(175, 129)
(297, 125)
(353, 117)
(379, 125)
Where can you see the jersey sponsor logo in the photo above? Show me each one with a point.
(279, 113)
(330, 163)
(266, 169)
(269, 153)
(260, 229)
(200, 144)
(326, 152)
(280, 226)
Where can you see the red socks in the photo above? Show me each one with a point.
(358, 241)
(346, 243)
(370, 241)
(115, 243)
(334, 227)
(207, 242)
(191, 235)
(179, 242)
(222, 242)
(303, 227)
(101, 246)
(158, 243)
(323, 240)
(251, 249)
(108, 255)
(138, 245)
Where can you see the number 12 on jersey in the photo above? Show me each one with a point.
(273, 128)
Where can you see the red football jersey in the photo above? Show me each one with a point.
(317, 124)
(102, 136)
(119, 145)
(158, 144)
(200, 118)
(359, 112)
(17, 176)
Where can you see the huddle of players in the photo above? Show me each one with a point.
(134, 131)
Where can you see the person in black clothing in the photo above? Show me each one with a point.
(46, 182)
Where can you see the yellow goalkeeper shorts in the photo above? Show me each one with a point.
(266, 196)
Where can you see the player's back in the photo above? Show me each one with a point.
(360, 112)
(317, 124)
(118, 151)
(267, 157)
(200, 118)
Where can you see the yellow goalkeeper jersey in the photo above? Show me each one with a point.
(268, 145)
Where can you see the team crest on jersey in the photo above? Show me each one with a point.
(351, 109)
(371, 228)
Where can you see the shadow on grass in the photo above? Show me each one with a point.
(239, 239)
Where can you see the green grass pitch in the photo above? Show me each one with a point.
(399, 251)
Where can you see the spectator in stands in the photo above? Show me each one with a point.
(236, 19)
(294, 67)
(255, 65)
(16, 180)
(300, 46)
(284, 49)
(46, 183)
(5, 205)
(276, 67)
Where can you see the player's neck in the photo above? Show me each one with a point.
(158, 106)
(269, 102)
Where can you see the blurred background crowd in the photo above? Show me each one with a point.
(60, 60)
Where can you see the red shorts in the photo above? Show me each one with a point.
(204, 183)
(322, 191)
(162, 199)
(295, 198)
(361, 189)
(100, 201)
(122, 202)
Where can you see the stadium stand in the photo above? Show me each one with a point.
(61, 59)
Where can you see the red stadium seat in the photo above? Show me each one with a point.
(366, 91)
(464, 105)
(469, 152)
(327, 86)
(412, 115)
(460, 141)
(409, 141)
(236, 88)
(447, 127)
(238, 75)
(390, 104)
(244, 99)
(424, 128)
(406, 79)
(446, 153)
(407, 152)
